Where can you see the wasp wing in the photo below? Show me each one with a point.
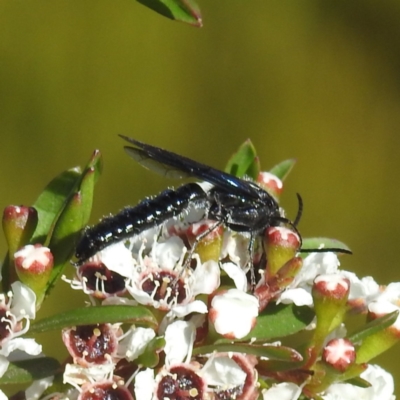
(155, 165)
(176, 166)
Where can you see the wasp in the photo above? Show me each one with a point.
(238, 204)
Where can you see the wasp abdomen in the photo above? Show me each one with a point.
(131, 221)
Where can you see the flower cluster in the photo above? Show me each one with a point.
(193, 310)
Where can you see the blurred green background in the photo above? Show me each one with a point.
(318, 80)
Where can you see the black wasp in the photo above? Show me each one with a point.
(238, 204)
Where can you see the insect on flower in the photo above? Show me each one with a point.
(241, 205)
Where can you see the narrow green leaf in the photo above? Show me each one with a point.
(359, 382)
(179, 10)
(374, 327)
(54, 198)
(281, 353)
(22, 372)
(51, 202)
(283, 169)
(87, 192)
(279, 321)
(89, 179)
(96, 163)
(74, 216)
(65, 233)
(277, 365)
(244, 162)
(137, 315)
(323, 243)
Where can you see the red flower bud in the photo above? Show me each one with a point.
(339, 354)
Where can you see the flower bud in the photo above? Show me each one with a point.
(377, 343)
(330, 293)
(34, 264)
(19, 223)
(271, 183)
(281, 245)
(339, 354)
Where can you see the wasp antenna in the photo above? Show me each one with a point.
(299, 210)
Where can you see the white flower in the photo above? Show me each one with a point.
(317, 264)
(299, 292)
(390, 293)
(381, 388)
(205, 278)
(76, 375)
(134, 342)
(237, 274)
(36, 389)
(18, 305)
(383, 308)
(145, 384)
(23, 304)
(234, 313)
(282, 391)
(298, 296)
(164, 281)
(117, 258)
(223, 372)
(179, 340)
(235, 246)
(362, 291)
(168, 253)
(181, 311)
(29, 346)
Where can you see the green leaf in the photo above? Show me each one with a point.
(283, 169)
(22, 372)
(68, 227)
(244, 162)
(374, 327)
(316, 243)
(277, 365)
(137, 315)
(51, 202)
(179, 10)
(279, 321)
(73, 217)
(280, 353)
(96, 163)
(359, 382)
